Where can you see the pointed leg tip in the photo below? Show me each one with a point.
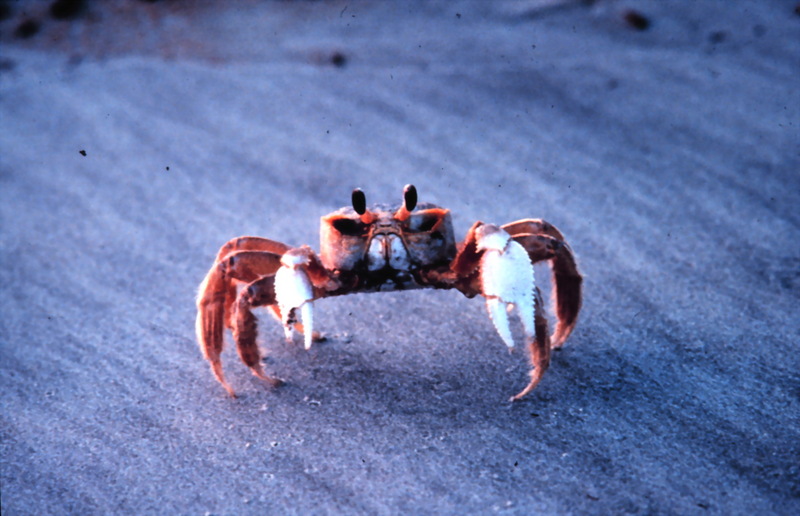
(216, 368)
(536, 376)
(519, 396)
(276, 382)
(560, 336)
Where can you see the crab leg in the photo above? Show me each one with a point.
(259, 292)
(539, 347)
(216, 296)
(246, 243)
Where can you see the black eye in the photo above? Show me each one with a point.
(410, 197)
(422, 223)
(359, 201)
(349, 227)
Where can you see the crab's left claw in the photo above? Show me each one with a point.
(293, 290)
(507, 280)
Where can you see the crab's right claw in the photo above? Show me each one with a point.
(506, 280)
(293, 290)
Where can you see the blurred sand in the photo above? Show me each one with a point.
(668, 156)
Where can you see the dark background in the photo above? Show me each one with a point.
(660, 137)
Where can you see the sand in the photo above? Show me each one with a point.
(136, 138)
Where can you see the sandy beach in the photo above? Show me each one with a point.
(662, 139)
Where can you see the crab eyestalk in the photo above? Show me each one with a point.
(409, 203)
(360, 206)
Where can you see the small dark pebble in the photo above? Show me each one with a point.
(718, 36)
(338, 59)
(83, 152)
(27, 29)
(67, 9)
(636, 20)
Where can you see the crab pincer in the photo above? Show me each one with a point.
(293, 290)
(507, 281)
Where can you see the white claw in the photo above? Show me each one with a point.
(506, 279)
(499, 315)
(293, 290)
(307, 313)
(287, 330)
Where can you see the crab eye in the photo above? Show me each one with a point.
(410, 197)
(359, 201)
(349, 227)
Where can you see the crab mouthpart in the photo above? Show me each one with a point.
(387, 251)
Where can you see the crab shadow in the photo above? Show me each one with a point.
(365, 375)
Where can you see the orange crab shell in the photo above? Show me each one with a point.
(427, 235)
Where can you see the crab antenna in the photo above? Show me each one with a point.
(409, 203)
(359, 201)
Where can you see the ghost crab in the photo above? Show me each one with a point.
(384, 248)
